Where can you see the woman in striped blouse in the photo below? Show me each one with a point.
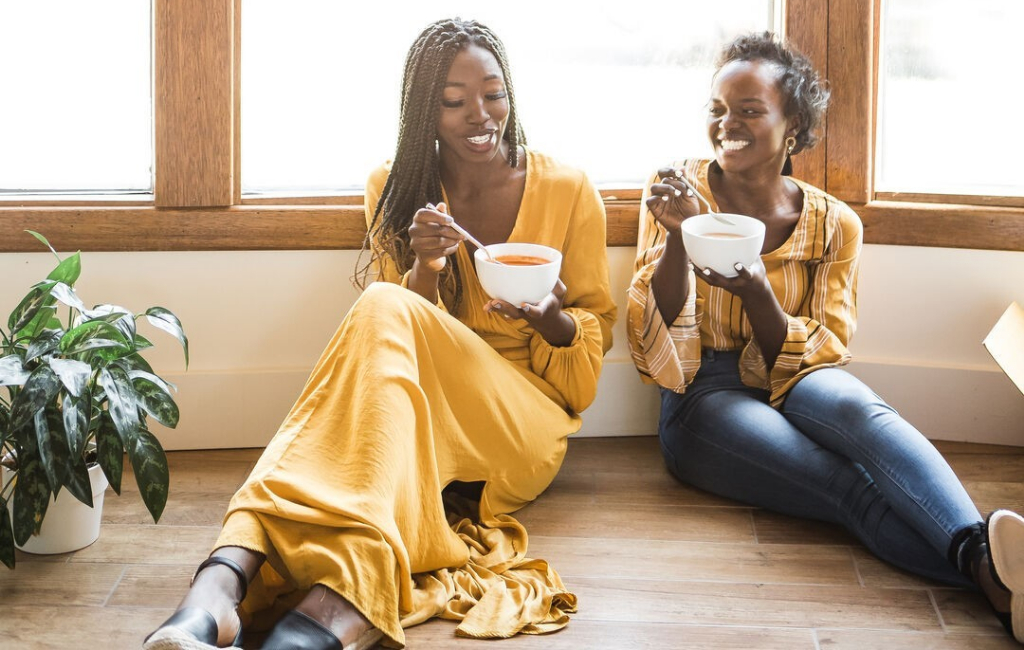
(755, 406)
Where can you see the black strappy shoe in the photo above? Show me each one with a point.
(194, 628)
(297, 631)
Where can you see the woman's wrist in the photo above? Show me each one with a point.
(424, 280)
(560, 332)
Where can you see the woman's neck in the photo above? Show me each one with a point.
(758, 194)
(461, 177)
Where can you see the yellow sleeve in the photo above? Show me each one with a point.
(382, 267)
(573, 370)
(664, 353)
(819, 337)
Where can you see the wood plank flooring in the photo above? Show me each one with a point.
(655, 564)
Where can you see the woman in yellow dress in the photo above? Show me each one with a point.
(427, 384)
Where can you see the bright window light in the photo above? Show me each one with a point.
(76, 114)
(613, 90)
(949, 94)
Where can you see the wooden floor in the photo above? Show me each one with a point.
(655, 565)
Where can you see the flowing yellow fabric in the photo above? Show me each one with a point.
(813, 275)
(406, 399)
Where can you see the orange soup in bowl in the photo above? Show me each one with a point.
(521, 260)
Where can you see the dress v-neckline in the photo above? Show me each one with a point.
(517, 226)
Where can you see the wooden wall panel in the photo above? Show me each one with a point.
(194, 102)
(806, 27)
(851, 52)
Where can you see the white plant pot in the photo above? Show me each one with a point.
(69, 524)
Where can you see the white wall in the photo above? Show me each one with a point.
(257, 322)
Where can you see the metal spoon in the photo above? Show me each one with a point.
(711, 211)
(473, 240)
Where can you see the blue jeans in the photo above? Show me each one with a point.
(834, 452)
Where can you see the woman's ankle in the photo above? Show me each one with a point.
(217, 583)
(335, 613)
(967, 549)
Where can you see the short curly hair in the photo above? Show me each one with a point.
(806, 93)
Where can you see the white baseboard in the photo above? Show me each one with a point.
(244, 409)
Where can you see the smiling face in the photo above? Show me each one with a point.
(474, 108)
(746, 122)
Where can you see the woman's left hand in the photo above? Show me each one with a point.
(749, 283)
(546, 316)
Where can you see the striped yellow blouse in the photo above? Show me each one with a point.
(813, 275)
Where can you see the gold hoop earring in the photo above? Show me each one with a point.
(790, 145)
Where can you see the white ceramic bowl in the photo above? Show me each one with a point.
(516, 284)
(711, 243)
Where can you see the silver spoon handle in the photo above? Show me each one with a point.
(465, 233)
(718, 217)
(462, 231)
(684, 181)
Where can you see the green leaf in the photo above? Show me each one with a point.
(77, 481)
(135, 362)
(53, 448)
(73, 374)
(163, 319)
(6, 536)
(141, 342)
(45, 241)
(151, 473)
(5, 420)
(117, 316)
(156, 398)
(123, 404)
(92, 335)
(38, 391)
(67, 295)
(44, 343)
(77, 412)
(12, 372)
(28, 309)
(110, 451)
(68, 270)
(31, 495)
(105, 315)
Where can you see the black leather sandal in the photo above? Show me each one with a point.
(297, 631)
(194, 628)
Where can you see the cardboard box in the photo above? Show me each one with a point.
(1006, 344)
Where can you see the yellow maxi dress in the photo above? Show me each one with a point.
(406, 399)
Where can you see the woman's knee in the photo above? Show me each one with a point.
(836, 393)
(386, 302)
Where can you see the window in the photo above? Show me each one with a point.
(948, 98)
(321, 83)
(585, 74)
(76, 115)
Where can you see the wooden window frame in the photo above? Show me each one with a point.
(198, 206)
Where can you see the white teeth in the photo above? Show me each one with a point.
(734, 145)
(480, 139)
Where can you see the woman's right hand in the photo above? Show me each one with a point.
(431, 238)
(671, 202)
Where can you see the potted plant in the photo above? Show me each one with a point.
(78, 394)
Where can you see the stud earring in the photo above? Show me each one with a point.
(790, 145)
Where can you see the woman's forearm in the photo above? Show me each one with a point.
(670, 282)
(423, 281)
(769, 323)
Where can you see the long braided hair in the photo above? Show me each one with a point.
(415, 178)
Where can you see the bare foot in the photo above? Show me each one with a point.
(335, 613)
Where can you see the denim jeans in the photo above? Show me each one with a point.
(834, 452)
